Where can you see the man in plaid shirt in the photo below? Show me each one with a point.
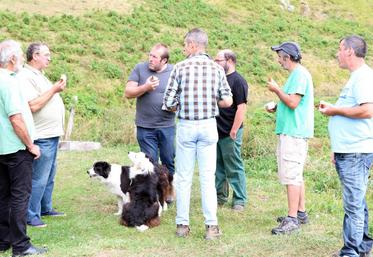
(197, 86)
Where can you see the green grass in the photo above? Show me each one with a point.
(91, 229)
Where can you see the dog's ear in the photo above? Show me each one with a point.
(102, 169)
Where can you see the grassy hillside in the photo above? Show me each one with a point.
(97, 48)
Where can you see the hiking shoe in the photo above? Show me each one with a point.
(287, 226)
(212, 232)
(238, 208)
(365, 254)
(36, 222)
(53, 213)
(182, 230)
(301, 219)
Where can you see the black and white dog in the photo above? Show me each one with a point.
(142, 189)
(150, 184)
(116, 179)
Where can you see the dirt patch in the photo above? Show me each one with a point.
(71, 7)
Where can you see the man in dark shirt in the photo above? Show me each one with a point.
(229, 165)
(155, 127)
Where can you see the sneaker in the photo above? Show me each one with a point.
(182, 230)
(238, 208)
(53, 213)
(36, 222)
(302, 219)
(212, 232)
(30, 251)
(287, 226)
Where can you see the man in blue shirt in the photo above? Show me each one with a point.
(351, 136)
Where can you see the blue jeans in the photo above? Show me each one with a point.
(196, 139)
(230, 170)
(152, 139)
(44, 171)
(353, 171)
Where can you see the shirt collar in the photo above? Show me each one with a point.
(8, 72)
(199, 55)
(36, 71)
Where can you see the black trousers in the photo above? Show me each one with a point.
(15, 190)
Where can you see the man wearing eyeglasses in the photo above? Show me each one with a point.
(48, 112)
(155, 127)
(230, 169)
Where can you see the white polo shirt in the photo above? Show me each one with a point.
(49, 120)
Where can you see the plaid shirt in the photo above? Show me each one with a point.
(195, 86)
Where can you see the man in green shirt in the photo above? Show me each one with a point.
(17, 152)
(294, 125)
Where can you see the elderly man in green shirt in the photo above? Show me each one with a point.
(17, 152)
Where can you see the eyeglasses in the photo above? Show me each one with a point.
(220, 60)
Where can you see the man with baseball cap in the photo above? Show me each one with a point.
(294, 125)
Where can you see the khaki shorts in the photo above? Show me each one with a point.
(291, 156)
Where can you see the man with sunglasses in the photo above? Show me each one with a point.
(48, 112)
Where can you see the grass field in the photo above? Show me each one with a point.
(91, 229)
(97, 43)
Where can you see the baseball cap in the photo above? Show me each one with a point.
(291, 48)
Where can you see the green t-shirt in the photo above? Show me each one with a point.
(300, 121)
(12, 102)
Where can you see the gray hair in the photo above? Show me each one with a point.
(197, 36)
(357, 43)
(229, 55)
(8, 49)
(33, 48)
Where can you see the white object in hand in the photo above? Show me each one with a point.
(63, 77)
(270, 105)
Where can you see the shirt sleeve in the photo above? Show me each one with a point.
(11, 99)
(363, 90)
(135, 74)
(171, 94)
(28, 88)
(298, 83)
(224, 88)
(240, 91)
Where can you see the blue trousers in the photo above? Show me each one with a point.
(44, 171)
(158, 142)
(353, 171)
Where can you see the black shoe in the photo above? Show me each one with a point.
(4, 248)
(30, 251)
(53, 213)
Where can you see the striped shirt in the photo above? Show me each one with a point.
(194, 88)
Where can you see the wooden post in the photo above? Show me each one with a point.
(70, 123)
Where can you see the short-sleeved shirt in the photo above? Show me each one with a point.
(49, 120)
(149, 113)
(12, 102)
(349, 135)
(195, 87)
(300, 121)
(226, 116)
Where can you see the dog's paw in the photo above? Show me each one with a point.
(142, 228)
(118, 213)
(165, 206)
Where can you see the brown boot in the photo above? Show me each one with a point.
(182, 230)
(212, 232)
